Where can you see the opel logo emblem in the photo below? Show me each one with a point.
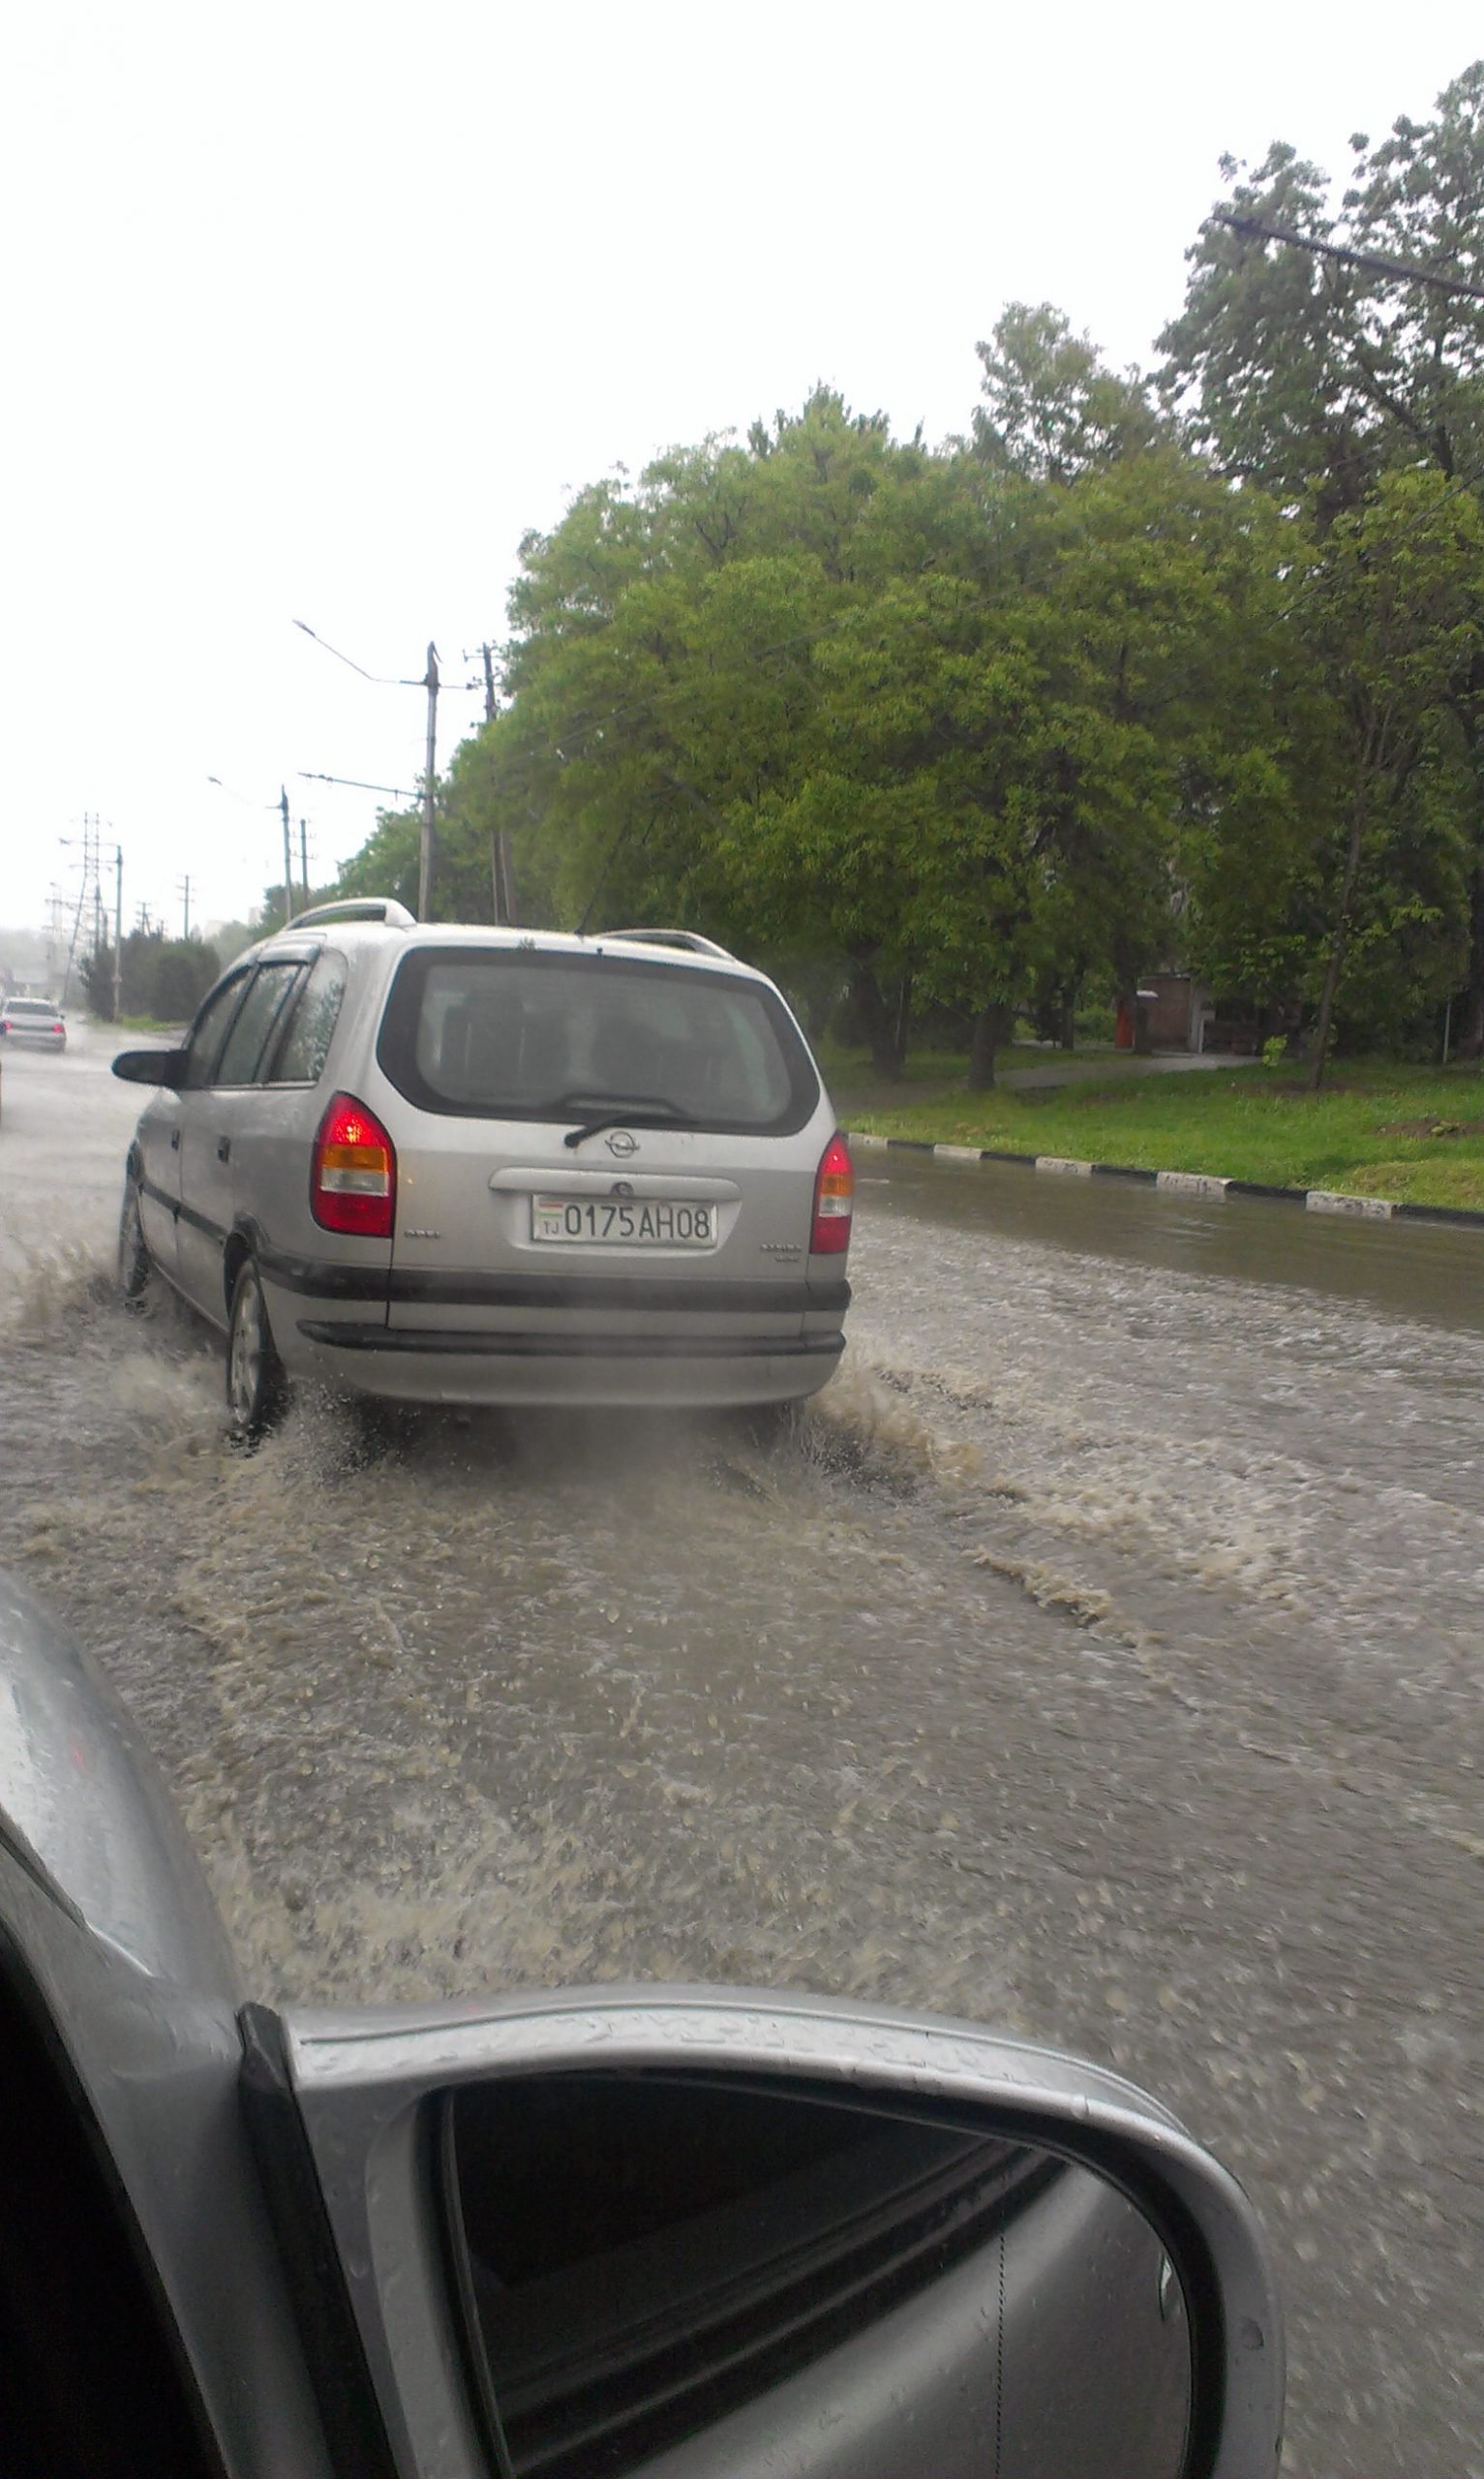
(622, 1143)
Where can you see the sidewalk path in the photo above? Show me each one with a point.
(1076, 1067)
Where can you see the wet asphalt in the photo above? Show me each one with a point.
(1099, 1658)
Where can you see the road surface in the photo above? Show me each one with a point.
(1099, 1658)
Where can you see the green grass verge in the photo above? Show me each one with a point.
(1409, 1133)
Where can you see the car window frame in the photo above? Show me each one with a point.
(294, 967)
(284, 1029)
(189, 1083)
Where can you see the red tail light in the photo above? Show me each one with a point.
(353, 1183)
(834, 1187)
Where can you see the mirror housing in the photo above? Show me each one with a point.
(370, 2085)
(151, 1067)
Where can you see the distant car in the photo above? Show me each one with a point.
(444, 1164)
(35, 1020)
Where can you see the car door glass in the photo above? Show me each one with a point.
(305, 1044)
(206, 1037)
(248, 1041)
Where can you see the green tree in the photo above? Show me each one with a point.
(1312, 375)
(1316, 378)
(664, 665)
(181, 973)
(1396, 612)
(1053, 410)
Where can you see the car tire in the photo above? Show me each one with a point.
(257, 1386)
(135, 1264)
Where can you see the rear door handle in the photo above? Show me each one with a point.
(223, 1147)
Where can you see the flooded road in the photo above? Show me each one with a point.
(1099, 1658)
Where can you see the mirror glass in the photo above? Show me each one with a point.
(691, 2274)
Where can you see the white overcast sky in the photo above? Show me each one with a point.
(312, 312)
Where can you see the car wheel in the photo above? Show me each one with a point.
(135, 1264)
(256, 1388)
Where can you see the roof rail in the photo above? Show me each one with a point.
(690, 939)
(357, 909)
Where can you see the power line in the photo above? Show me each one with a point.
(398, 791)
(432, 682)
(378, 680)
(1370, 260)
(383, 680)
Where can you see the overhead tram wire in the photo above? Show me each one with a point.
(353, 783)
(1370, 260)
(431, 682)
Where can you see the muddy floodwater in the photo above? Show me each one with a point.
(1098, 1658)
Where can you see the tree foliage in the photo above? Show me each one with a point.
(1122, 677)
(165, 978)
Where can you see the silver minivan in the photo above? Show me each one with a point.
(442, 1164)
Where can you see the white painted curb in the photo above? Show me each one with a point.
(1328, 1201)
(1191, 1184)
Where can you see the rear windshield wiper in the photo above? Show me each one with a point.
(636, 1106)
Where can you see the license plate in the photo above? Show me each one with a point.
(622, 1222)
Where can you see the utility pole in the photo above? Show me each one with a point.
(425, 855)
(96, 859)
(501, 876)
(282, 802)
(304, 861)
(184, 885)
(118, 931)
(87, 885)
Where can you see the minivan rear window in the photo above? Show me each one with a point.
(526, 1035)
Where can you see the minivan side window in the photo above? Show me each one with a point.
(204, 1040)
(306, 1044)
(247, 1044)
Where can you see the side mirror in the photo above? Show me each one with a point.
(699, 2232)
(164, 1067)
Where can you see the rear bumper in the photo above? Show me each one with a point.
(415, 1364)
